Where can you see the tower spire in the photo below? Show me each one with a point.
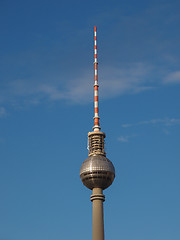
(96, 104)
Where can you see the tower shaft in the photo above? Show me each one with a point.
(97, 199)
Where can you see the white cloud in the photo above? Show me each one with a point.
(116, 81)
(166, 132)
(78, 89)
(163, 121)
(172, 78)
(113, 81)
(51, 91)
(3, 112)
(125, 139)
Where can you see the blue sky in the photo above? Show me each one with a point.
(46, 111)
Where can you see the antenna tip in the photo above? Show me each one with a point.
(95, 28)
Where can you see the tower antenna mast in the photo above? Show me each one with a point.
(96, 103)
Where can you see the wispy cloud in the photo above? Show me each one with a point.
(166, 132)
(172, 78)
(52, 92)
(75, 88)
(125, 139)
(1, 140)
(164, 121)
(3, 112)
(133, 79)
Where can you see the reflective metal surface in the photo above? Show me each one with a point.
(97, 171)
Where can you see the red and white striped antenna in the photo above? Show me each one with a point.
(96, 105)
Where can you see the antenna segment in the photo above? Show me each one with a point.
(96, 108)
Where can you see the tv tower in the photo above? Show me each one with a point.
(97, 172)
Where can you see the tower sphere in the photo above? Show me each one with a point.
(97, 171)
